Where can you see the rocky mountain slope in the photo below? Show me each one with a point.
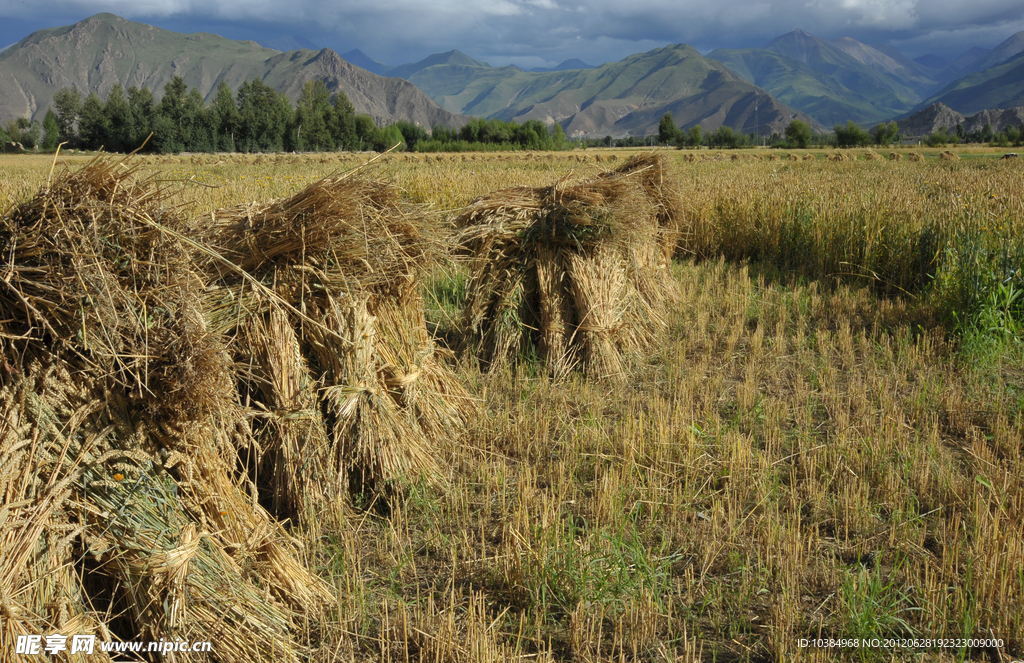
(622, 98)
(1001, 86)
(940, 116)
(832, 81)
(94, 54)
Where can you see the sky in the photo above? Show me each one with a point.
(539, 33)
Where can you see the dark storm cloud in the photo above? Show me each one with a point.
(536, 32)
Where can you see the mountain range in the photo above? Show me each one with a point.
(824, 82)
(94, 54)
(628, 97)
(757, 90)
(836, 81)
(999, 86)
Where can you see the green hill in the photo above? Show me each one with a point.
(620, 98)
(1001, 86)
(833, 81)
(801, 86)
(883, 89)
(96, 53)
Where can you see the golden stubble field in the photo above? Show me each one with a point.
(811, 451)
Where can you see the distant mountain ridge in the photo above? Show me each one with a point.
(802, 86)
(621, 98)
(453, 58)
(795, 76)
(831, 81)
(1001, 86)
(94, 54)
(293, 43)
(933, 62)
(836, 81)
(360, 59)
(566, 65)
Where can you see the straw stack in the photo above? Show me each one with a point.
(120, 436)
(324, 310)
(576, 272)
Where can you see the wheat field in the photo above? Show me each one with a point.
(827, 443)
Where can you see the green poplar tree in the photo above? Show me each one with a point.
(118, 114)
(343, 122)
(140, 117)
(51, 130)
(227, 118)
(93, 128)
(67, 104)
(312, 117)
(263, 117)
(558, 137)
(799, 134)
(668, 132)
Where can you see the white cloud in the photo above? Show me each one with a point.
(887, 14)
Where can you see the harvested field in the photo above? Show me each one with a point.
(825, 439)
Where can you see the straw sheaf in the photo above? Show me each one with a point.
(345, 225)
(415, 370)
(142, 368)
(39, 471)
(84, 263)
(121, 414)
(183, 583)
(661, 189)
(326, 283)
(529, 252)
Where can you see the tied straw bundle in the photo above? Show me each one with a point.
(353, 395)
(112, 380)
(142, 367)
(575, 271)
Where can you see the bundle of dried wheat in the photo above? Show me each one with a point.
(120, 434)
(320, 293)
(577, 271)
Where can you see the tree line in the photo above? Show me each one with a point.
(798, 134)
(1011, 137)
(256, 118)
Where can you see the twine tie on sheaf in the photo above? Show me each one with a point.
(600, 329)
(352, 395)
(403, 380)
